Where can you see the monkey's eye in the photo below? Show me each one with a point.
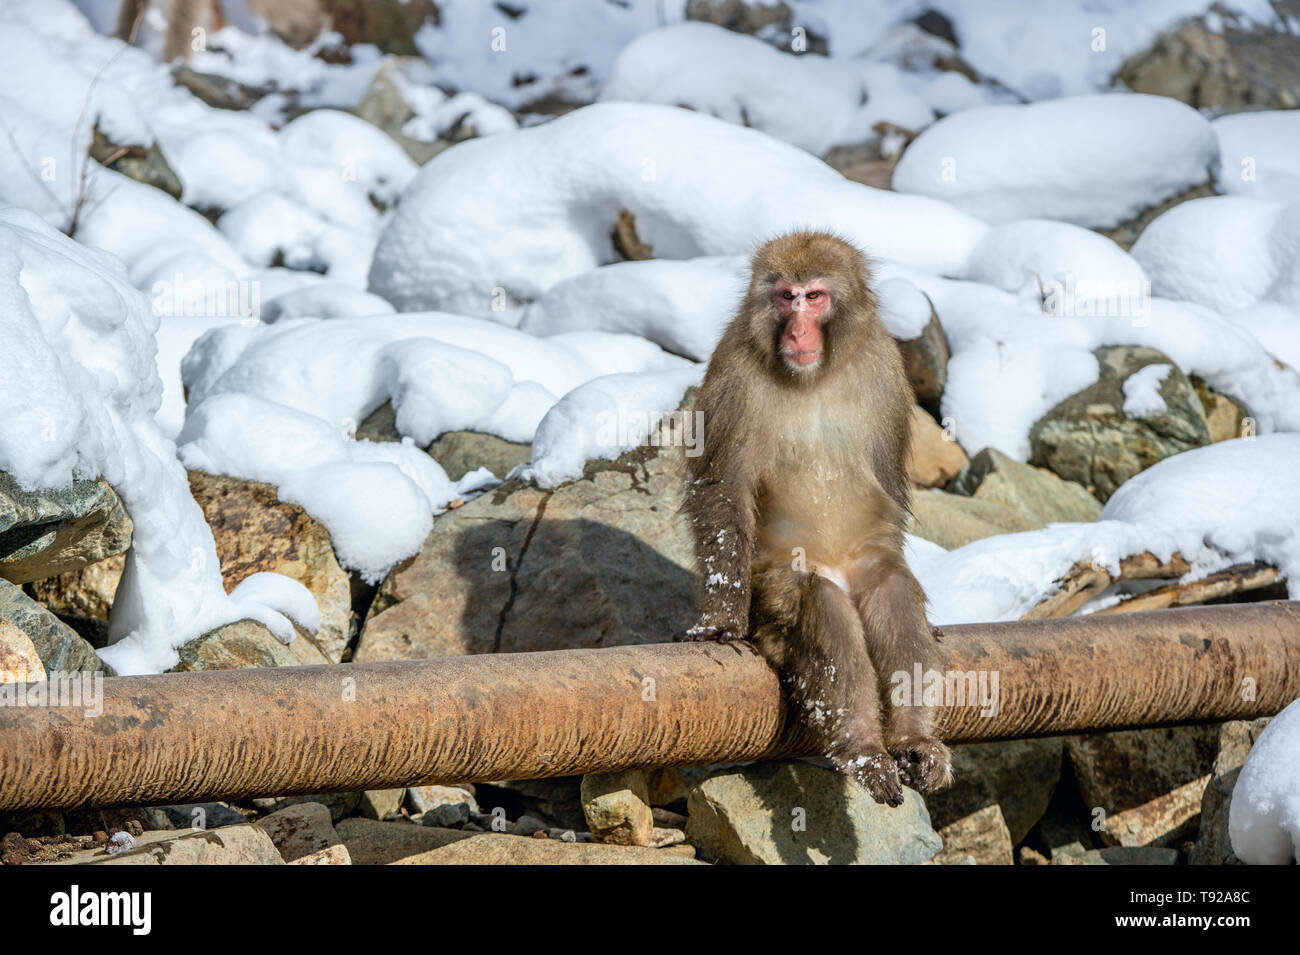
(788, 295)
(814, 295)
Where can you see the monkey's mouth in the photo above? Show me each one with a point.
(801, 358)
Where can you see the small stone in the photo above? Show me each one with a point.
(300, 830)
(617, 808)
(421, 799)
(451, 815)
(380, 803)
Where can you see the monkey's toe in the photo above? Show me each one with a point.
(876, 773)
(701, 634)
(924, 761)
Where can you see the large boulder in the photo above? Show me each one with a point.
(232, 845)
(1229, 68)
(255, 531)
(601, 561)
(1090, 438)
(87, 592)
(60, 649)
(49, 532)
(795, 813)
(982, 838)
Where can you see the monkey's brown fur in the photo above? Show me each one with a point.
(798, 503)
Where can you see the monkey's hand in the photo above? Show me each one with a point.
(704, 632)
(923, 762)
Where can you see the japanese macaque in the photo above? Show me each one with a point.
(798, 505)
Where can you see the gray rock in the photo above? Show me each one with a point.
(420, 799)
(143, 163)
(300, 830)
(1088, 438)
(1018, 776)
(381, 803)
(340, 805)
(981, 838)
(49, 532)
(203, 815)
(449, 815)
(1213, 844)
(232, 845)
(58, 646)
(795, 813)
(460, 452)
(1121, 855)
(1029, 491)
(384, 107)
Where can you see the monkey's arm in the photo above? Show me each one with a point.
(720, 505)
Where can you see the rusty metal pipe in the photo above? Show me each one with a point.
(234, 734)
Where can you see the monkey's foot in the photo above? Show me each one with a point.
(699, 634)
(923, 762)
(876, 773)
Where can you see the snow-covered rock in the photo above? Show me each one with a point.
(681, 305)
(1259, 154)
(77, 400)
(1092, 160)
(812, 101)
(1225, 252)
(1181, 505)
(488, 226)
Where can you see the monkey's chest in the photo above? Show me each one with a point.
(822, 498)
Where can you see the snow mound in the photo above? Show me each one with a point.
(1225, 252)
(1092, 160)
(812, 101)
(1189, 503)
(77, 400)
(1259, 154)
(1264, 818)
(682, 305)
(607, 416)
(488, 226)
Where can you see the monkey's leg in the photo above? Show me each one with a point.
(892, 607)
(807, 628)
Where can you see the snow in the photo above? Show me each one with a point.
(812, 101)
(560, 49)
(77, 401)
(504, 218)
(681, 305)
(1093, 160)
(1264, 818)
(904, 309)
(1015, 356)
(1259, 154)
(1189, 504)
(1142, 391)
(605, 417)
(324, 300)
(1225, 252)
(281, 403)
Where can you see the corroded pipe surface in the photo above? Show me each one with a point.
(188, 737)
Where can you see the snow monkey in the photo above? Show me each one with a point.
(798, 503)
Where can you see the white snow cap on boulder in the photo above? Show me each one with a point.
(812, 101)
(491, 224)
(78, 394)
(1225, 252)
(1092, 160)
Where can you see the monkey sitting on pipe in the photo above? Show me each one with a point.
(798, 503)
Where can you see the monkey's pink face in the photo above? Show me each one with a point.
(803, 307)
